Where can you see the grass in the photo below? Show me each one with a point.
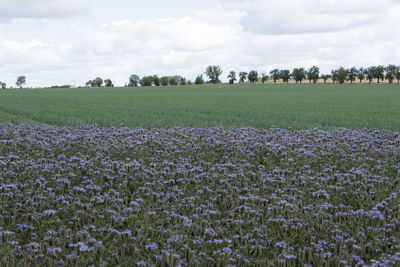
(260, 106)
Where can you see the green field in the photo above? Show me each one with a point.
(260, 106)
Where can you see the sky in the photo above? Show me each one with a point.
(56, 42)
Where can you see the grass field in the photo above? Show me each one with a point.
(298, 106)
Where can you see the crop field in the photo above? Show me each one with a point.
(244, 175)
(83, 196)
(304, 106)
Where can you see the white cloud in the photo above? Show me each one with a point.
(220, 35)
(10, 9)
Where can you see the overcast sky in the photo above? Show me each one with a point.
(71, 41)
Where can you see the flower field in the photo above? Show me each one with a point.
(198, 196)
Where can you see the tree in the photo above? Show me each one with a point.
(146, 81)
(299, 74)
(3, 85)
(182, 81)
(342, 75)
(98, 82)
(164, 80)
(108, 83)
(134, 80)
(242, 76)
(173, 81)
(334, 75)
(378, 73)
(213, 72)
(391, 72)
(199, 79)
(253, 76)
(325, 77)
(285, 75)
(353, 72)
(275, 75)
(264, 77)
(369, 74)
(313, 74)
(361, 74)
(232, 77)
(21, 80)
(156, 80)
(398, 74)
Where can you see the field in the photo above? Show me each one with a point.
(198, 197)
(75, 191)
(259, 106)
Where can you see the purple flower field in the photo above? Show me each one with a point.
(196, 197)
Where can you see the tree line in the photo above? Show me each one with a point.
(213, 73)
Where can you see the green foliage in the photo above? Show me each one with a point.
(108, 83)
(361, 74)
(199, 79)
(313, 74)
(146, 81)
(156, 80)
(232, 77)
(342, 74)
(326, 77)
(264, 77)
(285, 75)
(3, 85)
(182, 81)
(242, 76)
(253, 76)
(95, 83)
(299, 74)
(173, 81)
(301, 107)
(370, 73)
(134, 80)
(378, 73)
(21, 80)
(213, 73)
(391, 72)
(164, 80)
(275, 75)
(352, 73)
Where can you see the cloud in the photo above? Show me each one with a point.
(218, 35)
(308, 16)
(39, 9)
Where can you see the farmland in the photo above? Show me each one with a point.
(188, 196)
(226, 175)
(260, 106)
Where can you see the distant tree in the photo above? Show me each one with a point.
(3, 85)
(164, 80)
(391, 73)
(253, 76)
(325, 77)
(342, 75)
(334, 75)
(156, 80)
(232, 77)
(379, 73)
(108, 83)
(242, 76)
(98, 82)
(21, 80)
(397, 75)
(361, 74)
(353, 73)
(182, 81)
(299, 74)
(199, 79)
(146, 81)
(313, 74)
(264, 77)
(173, 81)
(275, 75)
(189, 82)
(134, 80)
(89, 83)
(285, 75)
(213, 73)
(369, 73)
